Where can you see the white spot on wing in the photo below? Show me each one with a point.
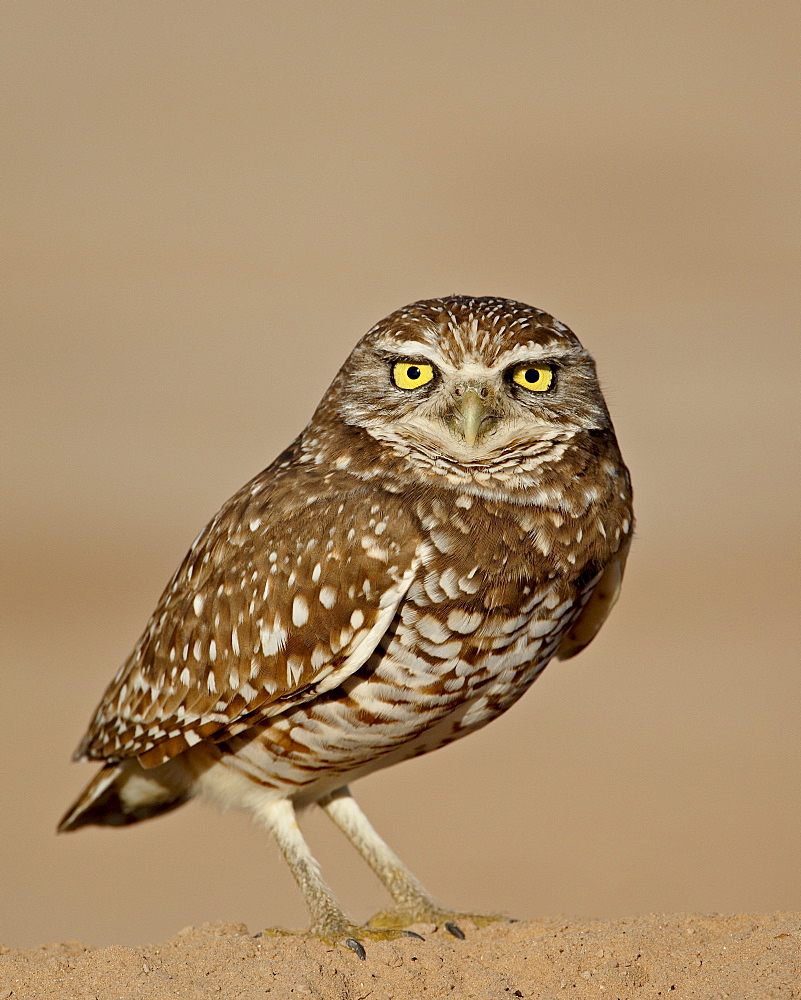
(273, 640)
(294, 670)
(300, 610)
(328, 597)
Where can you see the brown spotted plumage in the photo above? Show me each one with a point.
(456, 514)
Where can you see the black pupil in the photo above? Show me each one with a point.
(413, 372)
(532, 375)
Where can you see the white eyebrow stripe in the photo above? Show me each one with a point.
(413, 349)
(528, 352)
(475, 369)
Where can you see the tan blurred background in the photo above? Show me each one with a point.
(204, 206)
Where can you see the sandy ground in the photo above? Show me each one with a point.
(747, 956)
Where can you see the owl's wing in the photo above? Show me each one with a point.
(288, 591)
(595, 612)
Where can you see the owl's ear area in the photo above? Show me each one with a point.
(597, 609)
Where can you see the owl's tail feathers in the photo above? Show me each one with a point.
(125, 793)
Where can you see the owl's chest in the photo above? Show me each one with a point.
(465, 642)
(485, 613)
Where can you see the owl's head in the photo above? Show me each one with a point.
(472, 380)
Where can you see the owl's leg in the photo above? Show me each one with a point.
(280, 819)
(328, 920)
(404, 888)
(415, 904)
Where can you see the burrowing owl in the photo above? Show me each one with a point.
(456, 514)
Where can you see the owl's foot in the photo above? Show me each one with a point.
(450, 920)
(350, 935)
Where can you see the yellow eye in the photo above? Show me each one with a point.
(411, 374)
(537, 378)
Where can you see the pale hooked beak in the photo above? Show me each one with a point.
(472, 411)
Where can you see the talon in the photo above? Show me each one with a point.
(358, 947)
(413, 934)
(454, 929)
